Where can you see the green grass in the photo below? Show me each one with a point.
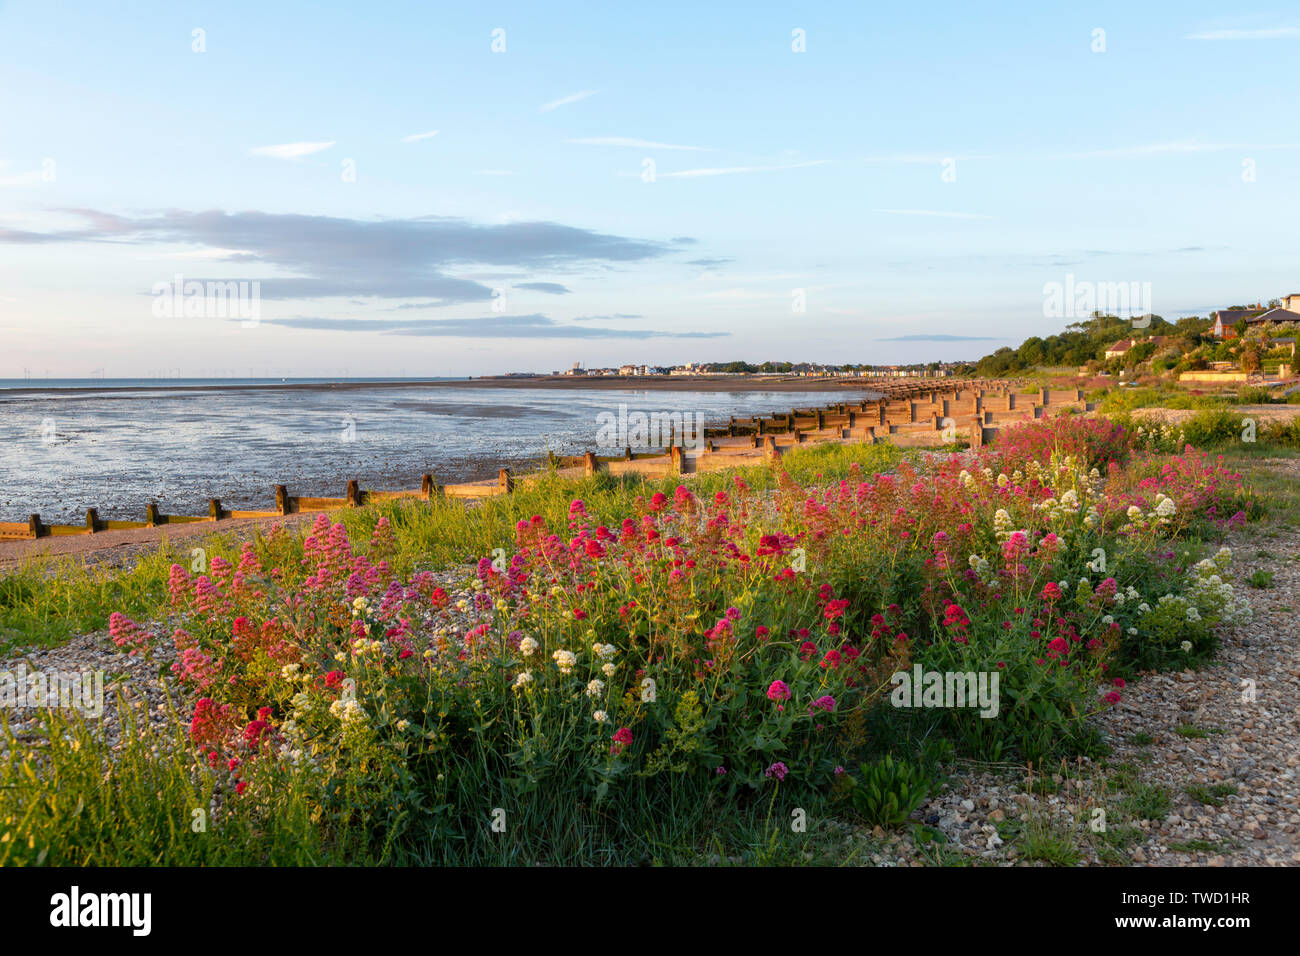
(1213, 795)
(1194, 732)
(1260, 579)
(1141, 739)
(1146, 801)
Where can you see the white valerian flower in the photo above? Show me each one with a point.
(527, 646)
(564, 660)
(604, 651)
(556, 591)
(1186, 646)
(290, 671)
(1133, 631)
(402, 725)
(348, 712)
(1193, 615)
(595, 688)
(301, 703)
(1134, 512)
(1107, 620)
(608, 669)
(1144, 608)
(1003, 480)
(1001, 520)
(1166, 507)
(525, 677)
(600, 716)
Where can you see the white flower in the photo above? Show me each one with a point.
(1133, 630)
(402, 725)
(360, 604)
(1166, 507)
(348, 711)
(525, 677)
(608, 669)
(527, 646)
(1134, 512)
(1187, 647)
(600, 716)
(595, 688)
(1107, 620)
(564, 660)
(604, 651)
(289, 671)
(1144, 608)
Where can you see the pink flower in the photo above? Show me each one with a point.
(778, 690)
(778, 770)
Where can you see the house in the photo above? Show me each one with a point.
(1291, 302)
(1223, 328)
(1118, 349)
(1225, 319)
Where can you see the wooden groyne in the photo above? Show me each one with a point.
(916, 413)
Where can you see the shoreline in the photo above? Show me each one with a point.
(682, 383)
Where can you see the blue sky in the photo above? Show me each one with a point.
(523, 234)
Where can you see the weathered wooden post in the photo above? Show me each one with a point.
(34, 526)
(771, 453)
(627, 453)
(282, 499)
(92, 520)
(589, 464)
(977, 431)
(708, 445)
(354, 493)
(214, 509)
(505, 481)
(676, 465)
(151, 516)
(427, 487)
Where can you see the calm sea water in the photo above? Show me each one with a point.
(118, 449)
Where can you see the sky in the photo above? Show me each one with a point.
(435, 189)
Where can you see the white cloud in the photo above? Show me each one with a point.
(637, 143)
(566, 100)
(1274, 33)
(731, 170)
(934, 212)
(290, 150)
(416, 137)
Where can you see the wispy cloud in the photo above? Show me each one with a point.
(734, 170)
(608, 318)
(636, 143)
(550, 288)
(290, 150)
(416, 137)
(1272, 33)
(566, 100)
(939, 213)
(534, 326)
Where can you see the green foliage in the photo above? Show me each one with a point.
(886, 792)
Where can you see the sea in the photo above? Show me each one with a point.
(119, 444)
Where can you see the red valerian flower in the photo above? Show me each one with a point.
(778, 690)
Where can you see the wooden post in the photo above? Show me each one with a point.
(708, 445)
(282, 499)
(675, 462)
(762, 426)
(34, 526)
(821, 418)
(506, 481)
(627, 453)
(92, 519)
(798, 436)
(1044, 397)
(214, 509)
(151, 516)
(354, 493)
(853, 420)
(977, 431)
(589, 464)
(753, 441)
(427, 487)
(771, 453)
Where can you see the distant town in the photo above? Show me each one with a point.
(790, 369)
